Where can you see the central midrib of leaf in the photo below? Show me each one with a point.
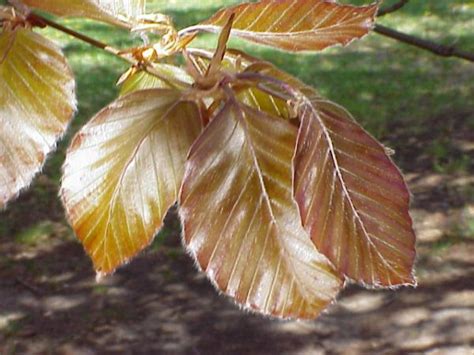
(118, 181)
(288, 259)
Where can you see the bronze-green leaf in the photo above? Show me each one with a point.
(352, 198)
(140, 79)
(124, 170)
(241, 223)
(37, 101)
(295, 25)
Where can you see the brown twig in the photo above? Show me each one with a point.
(433, 47)
(395, 7)
(40, 21)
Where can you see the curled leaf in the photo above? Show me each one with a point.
(241, 223)
(124, 170)
(295, 25)
(37, 101)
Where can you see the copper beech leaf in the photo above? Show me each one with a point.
(352, 198)
(119, 12)
(388, 246)
(241, 223)
(124, 170)
(37, 101)
(295, 25)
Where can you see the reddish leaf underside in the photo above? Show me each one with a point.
(37, 101)
(352, 198)
(240, 221)
(296, 25)
(123, 171)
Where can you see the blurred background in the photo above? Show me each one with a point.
(419, 104)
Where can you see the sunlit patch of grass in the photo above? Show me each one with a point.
(35, 234)
(13, 327)
(466, 228)
(446, 159)
(100, 289)
(443, 244)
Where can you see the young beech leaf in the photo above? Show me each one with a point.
(219, 54)
(352, 198)
(124, 170)
(119, 12)
(295, 25)
(37, 101)
(241, 223)
(140, 79)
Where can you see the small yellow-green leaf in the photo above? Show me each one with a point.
(140, 79)
(124, 170)
(241, 223)
(295, 25)
(37, 101)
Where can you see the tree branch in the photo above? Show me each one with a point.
(395, 7)
(433, 47)
(40, 21)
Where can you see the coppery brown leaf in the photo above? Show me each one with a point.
(295, 25)
(241, 223)
(365, 189)
(124, 170)
(352, 198)
(37, 101)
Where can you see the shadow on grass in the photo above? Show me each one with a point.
(159, 303)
